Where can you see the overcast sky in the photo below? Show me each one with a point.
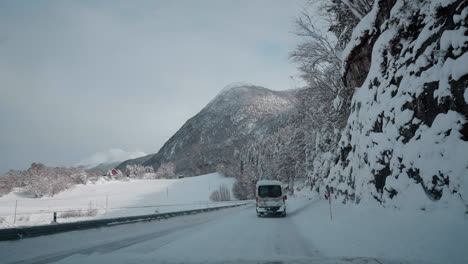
(90, 81)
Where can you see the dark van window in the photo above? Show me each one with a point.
(269, 191)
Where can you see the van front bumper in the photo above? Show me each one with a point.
(271, 209)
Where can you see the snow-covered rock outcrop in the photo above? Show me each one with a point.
(406, 140)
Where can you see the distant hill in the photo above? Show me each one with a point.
(104, 167)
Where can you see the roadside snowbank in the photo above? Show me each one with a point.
(369, 230)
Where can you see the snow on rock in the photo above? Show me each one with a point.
(337, 102)
(407, 134)
(365, 27)
(357, 53)
(465, 95)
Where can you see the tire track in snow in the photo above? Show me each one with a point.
(297, 237)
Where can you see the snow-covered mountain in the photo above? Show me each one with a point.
(105, 166)
(240, 114)
(137, 161)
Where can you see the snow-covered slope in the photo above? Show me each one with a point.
(238, 115)
(121, 198)
(406, 140)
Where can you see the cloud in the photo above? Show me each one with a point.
(111, 155)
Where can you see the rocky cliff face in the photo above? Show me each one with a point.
(237, 116)
(407, 134)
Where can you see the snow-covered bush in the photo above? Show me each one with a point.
(215, 196)
(139, 172)
(6, 184)
(46, 181)
(222, 194)
(166, 171)
(40, 180)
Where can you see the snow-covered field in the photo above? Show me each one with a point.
(112, 199)
(357, 235)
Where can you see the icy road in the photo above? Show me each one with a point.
(234, 235)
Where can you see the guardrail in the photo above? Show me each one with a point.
(34, 231)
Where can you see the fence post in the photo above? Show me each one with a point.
(55, 217)
(329, 203)
(16, 206)
(107, 202)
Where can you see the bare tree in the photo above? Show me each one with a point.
(139, 172)
(342, 16)
(6, 184)
(317, 58)
(39, 185)
(214, 196)
(239, 190)
(222, 194)
(359, 8)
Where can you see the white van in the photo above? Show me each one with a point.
(270, 197)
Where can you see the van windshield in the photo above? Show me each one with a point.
(269, 191)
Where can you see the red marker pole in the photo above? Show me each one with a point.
(329, 203)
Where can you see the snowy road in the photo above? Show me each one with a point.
(234, 235)
(227, 235)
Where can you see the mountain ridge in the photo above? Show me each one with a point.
(239, 114)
